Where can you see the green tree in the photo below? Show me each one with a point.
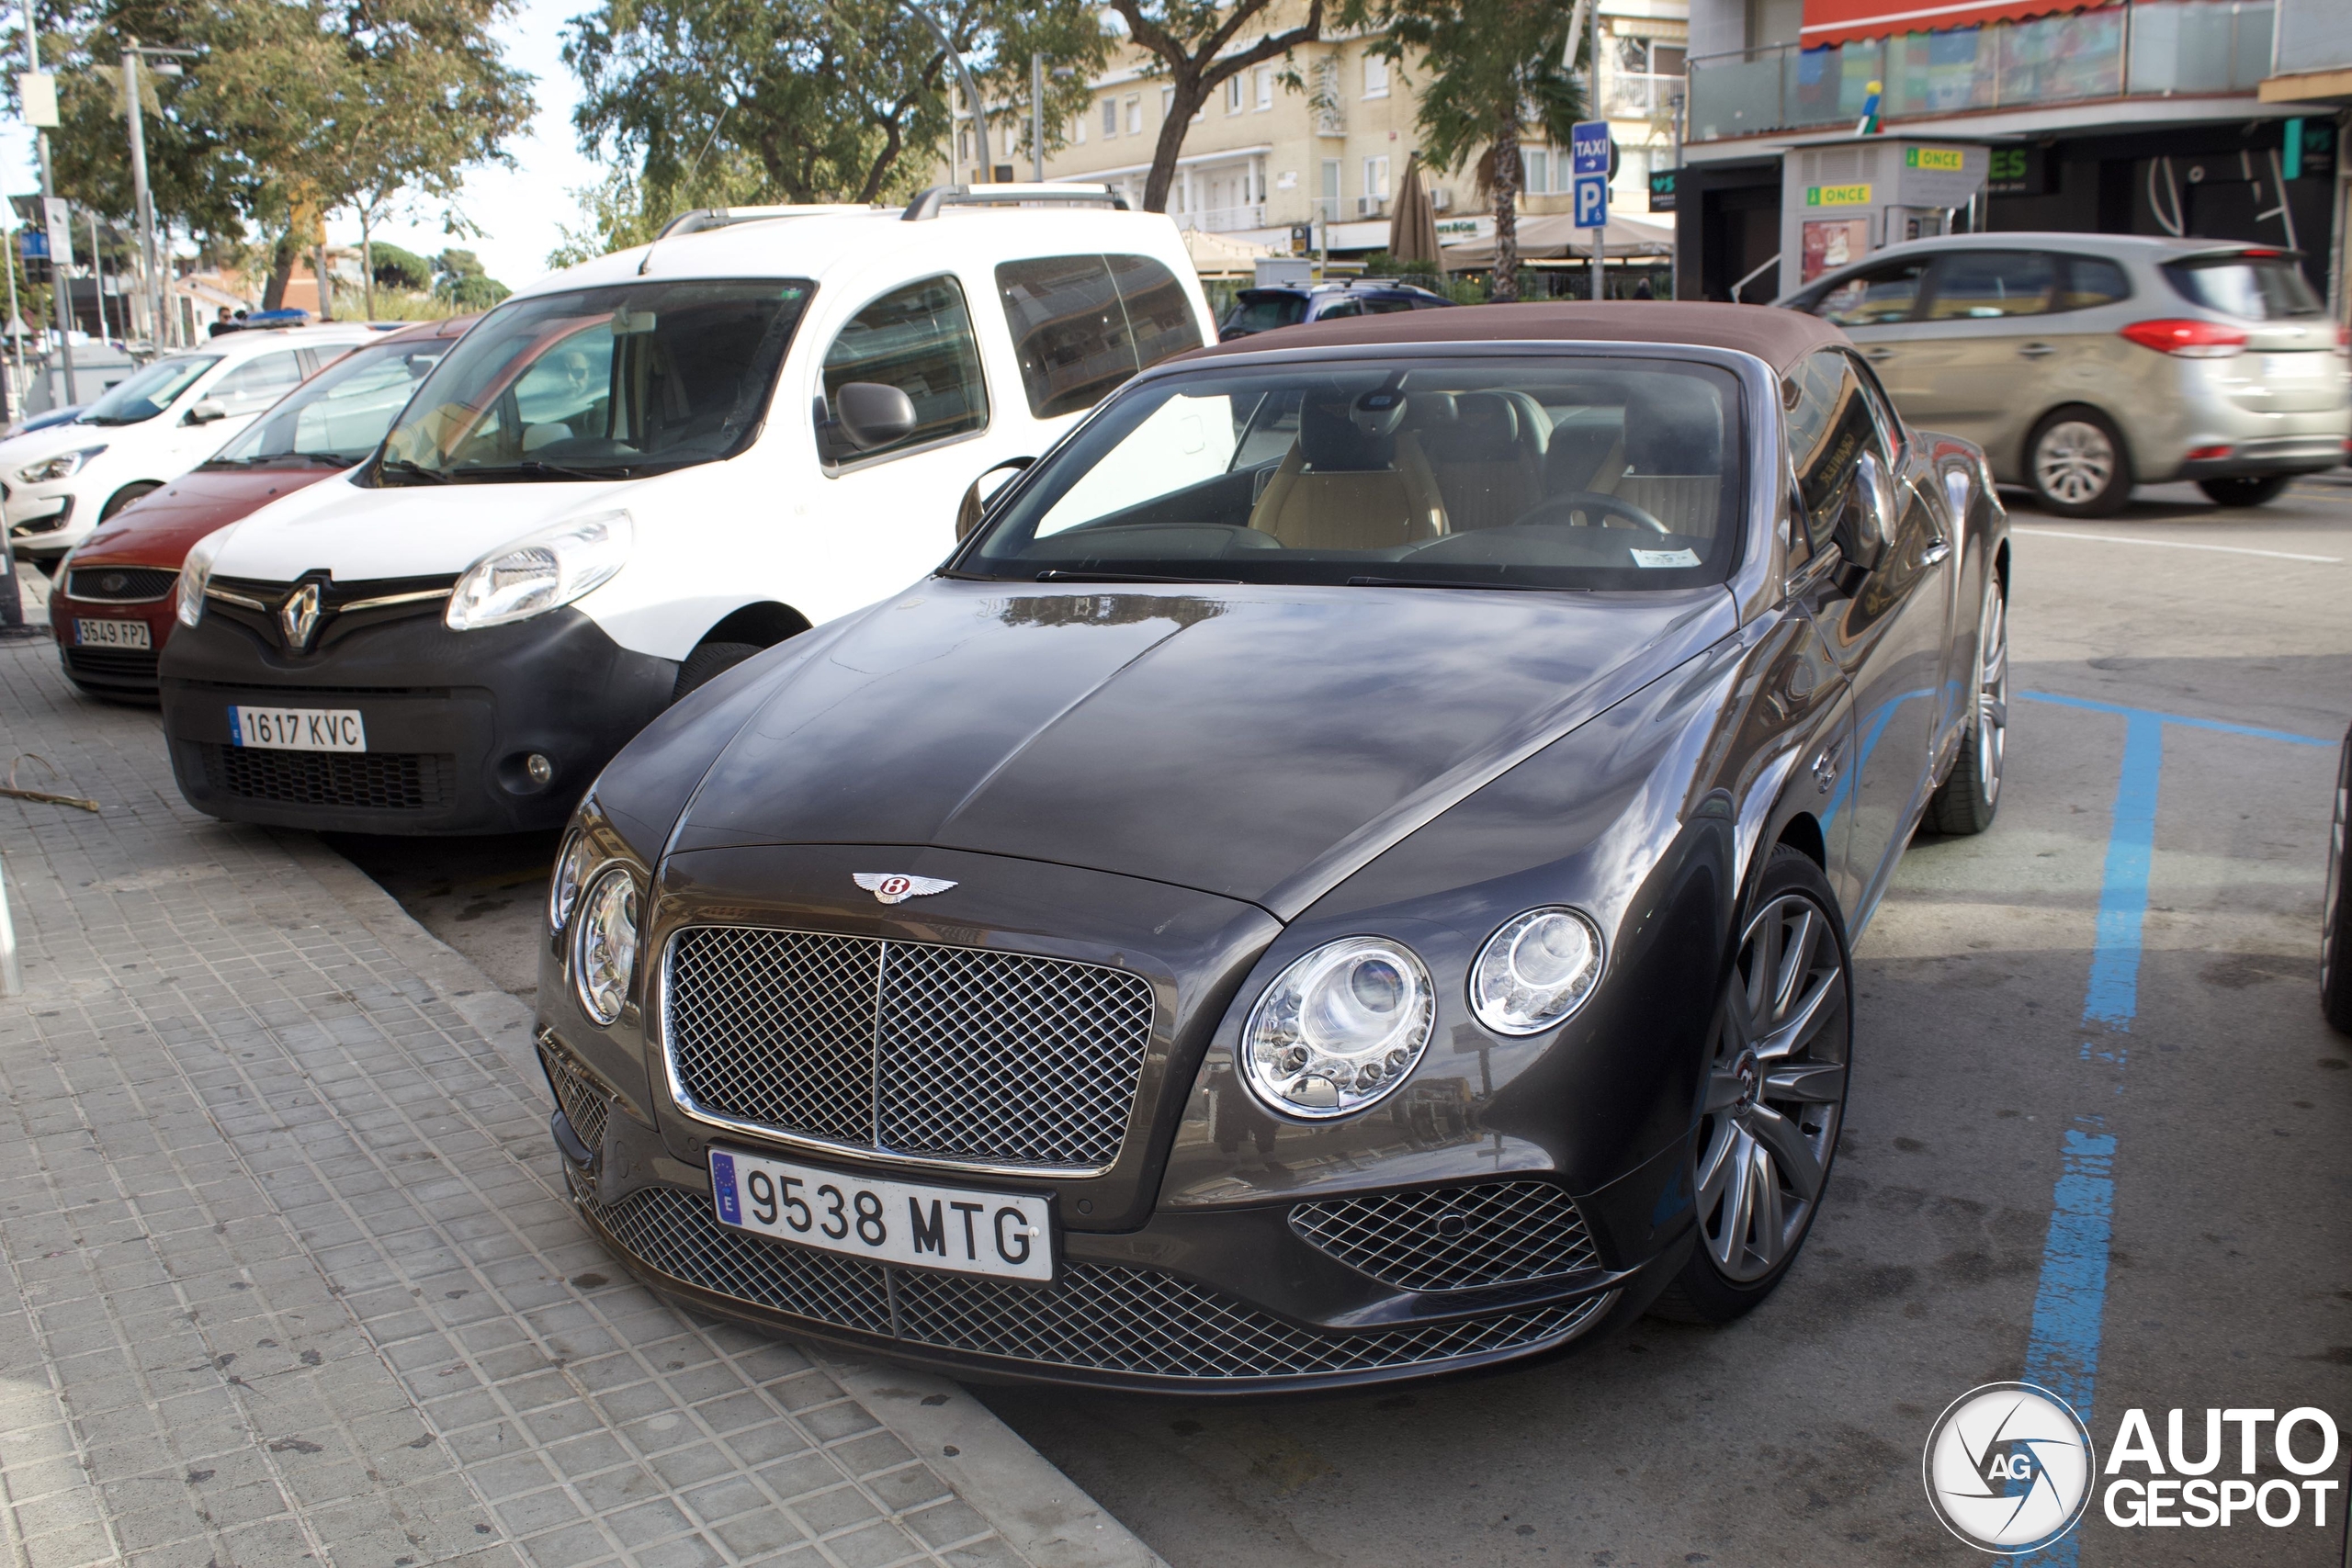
(827, 100)
(393, 268)
(1492, 70)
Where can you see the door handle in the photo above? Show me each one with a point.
(2036, 351)
(1937, 552)
(1878, 356)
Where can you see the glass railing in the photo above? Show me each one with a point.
(2147, 50)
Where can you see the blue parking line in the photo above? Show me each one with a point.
(2114, 993)
(2289, 736)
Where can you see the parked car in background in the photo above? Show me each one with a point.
(2083, 363)
(636, 473)
(1345, 875)
(113, 607)
(1264, 310)
(43, 420)
(58, 484)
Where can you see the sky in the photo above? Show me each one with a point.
(519, 211)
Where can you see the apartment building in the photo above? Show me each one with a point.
(1264, 158)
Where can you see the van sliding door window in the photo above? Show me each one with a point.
(918, 339)
(1083, 324)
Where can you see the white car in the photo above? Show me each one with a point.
(636, 473)
(59, 482)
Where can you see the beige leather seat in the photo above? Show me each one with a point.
(1343, 487)
(1488, 460)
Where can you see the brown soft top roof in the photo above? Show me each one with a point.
(1779, 338)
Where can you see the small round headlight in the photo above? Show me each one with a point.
(1536, 970)
(1340, 1029)
(605, 950)
(563, 888)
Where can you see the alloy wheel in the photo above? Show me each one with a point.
(1775, 1090)
(1991, 690)
(2074, 462)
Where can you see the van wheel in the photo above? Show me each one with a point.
(2244, 491)
(125, 496)
(2076, 464)
(710, 660)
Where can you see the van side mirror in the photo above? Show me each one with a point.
(973, 505)
(872, 414)
(206, 411)
(1867, 524)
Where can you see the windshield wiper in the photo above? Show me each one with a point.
(415, 472)
(532, 468)
(1134, 577)
(1451, 582)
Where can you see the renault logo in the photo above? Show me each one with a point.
(299, 617)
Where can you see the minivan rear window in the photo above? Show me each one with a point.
(2257, 286)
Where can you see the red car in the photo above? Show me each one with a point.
(116, 601)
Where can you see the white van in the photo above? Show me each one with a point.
(62, 481)
(636, 473)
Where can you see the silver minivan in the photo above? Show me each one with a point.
(2085, 363)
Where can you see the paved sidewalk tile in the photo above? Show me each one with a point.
(287, 1274)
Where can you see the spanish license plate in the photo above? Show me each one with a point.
(112, 632)
(298, 730)
(1007, 1234)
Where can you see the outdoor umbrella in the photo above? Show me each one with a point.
(1556, 237)
(1412, 231)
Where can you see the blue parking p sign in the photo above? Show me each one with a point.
(1592, 201)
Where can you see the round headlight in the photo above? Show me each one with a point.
(1340, 1029)
(563, 888)
(1536, 970)
(605, 952)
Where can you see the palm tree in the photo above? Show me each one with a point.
(1494, 70)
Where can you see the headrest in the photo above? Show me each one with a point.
(1334, 441)
(1486, 432)
(1673, 431)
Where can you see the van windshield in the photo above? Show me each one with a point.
(336, 417)
(599, 383)
(149, 392)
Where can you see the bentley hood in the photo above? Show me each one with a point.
(1254, 742)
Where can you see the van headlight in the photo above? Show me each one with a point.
(196, 571)
(603, 950)
(541, 572)
(64, 465)
(1535, 970)
(1340, 1029)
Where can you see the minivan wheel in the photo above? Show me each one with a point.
(1774, 1096)
(710, 660)
(2244, 491)
(2076, 464)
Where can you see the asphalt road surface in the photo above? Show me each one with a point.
(2098, 1137)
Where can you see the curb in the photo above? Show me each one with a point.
(1038, 1511)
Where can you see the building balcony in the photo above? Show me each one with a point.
(1629, 95)
(2148, 50)
(1224, 219)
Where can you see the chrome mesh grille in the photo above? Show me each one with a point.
(1131, 1321)
(1454, 1238)
(585, 1102)
(948, 1052)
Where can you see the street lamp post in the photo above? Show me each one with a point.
(132, 57)
(58, 289)
(971, 87)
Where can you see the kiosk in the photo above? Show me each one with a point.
(1842, 200)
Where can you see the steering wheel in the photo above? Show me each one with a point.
(1591, 503)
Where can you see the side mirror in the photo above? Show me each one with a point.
(872, 414)
(206, 411)
(973, 505)
(1868, 521)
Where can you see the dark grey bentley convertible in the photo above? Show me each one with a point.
(1345, 874)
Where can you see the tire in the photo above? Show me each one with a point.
(709, 660)
(2335, 921)
(1964, 803)
(2077, 465)
(125, 496)
(2245, 491)
(1759, 1120)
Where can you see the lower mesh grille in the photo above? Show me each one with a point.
(1454, 1238)
(1131, 1321)
(113, 666)
(373, 780)
(585, 1102)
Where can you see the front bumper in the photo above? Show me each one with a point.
(103, 669)
(42, 526)
(449, 716)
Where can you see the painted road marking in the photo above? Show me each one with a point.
(2289, 736)
(2173, 544)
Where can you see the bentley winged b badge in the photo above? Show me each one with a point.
(893, 888)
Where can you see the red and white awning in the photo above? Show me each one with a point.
(1836, 21)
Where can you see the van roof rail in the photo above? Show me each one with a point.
(703, 217)
(926, 205)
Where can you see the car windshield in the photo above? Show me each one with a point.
(2256, 286)
(1262, 309)
(151, 391)
(1550, 473)
(339, 415)
(600, 383)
